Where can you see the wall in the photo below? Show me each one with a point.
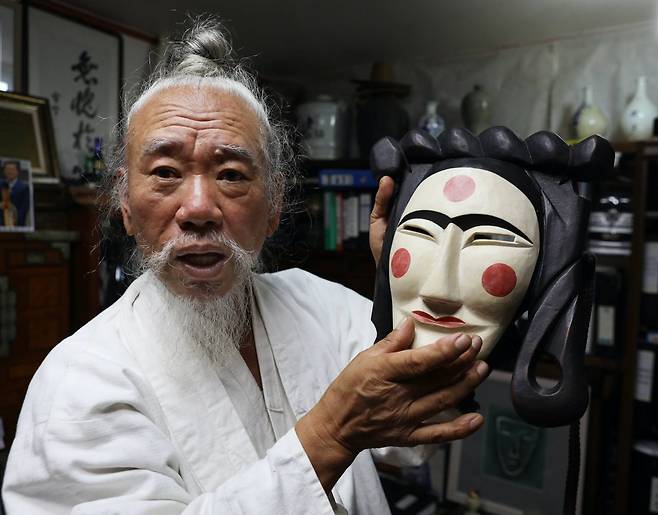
(532, 87)
(137, 59)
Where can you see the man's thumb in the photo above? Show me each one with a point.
(401, 337)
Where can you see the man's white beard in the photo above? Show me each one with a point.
(216, 324)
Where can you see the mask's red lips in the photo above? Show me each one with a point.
(448, 322)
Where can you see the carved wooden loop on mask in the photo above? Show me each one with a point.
(559, 297)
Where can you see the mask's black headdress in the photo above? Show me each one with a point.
(558, 300)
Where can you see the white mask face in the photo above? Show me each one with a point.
(463, 256)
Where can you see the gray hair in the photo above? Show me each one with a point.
(203, 56)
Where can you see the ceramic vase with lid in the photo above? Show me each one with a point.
(476, 110)
(589, 119)
(639, 114)
(323, 124)
(432, 121)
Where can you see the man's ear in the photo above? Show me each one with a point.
(125, 208)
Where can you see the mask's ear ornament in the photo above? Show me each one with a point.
(484, 229)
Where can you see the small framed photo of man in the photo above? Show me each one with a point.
(16, 195)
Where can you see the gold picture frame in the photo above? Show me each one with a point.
(26, 132)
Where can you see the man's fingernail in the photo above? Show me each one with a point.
(482, 369)
(475, 420)
(476, 343)
(462, 342)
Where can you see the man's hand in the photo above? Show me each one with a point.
(385, 397)
(379, 216)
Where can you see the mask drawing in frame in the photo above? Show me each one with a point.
(483, 230)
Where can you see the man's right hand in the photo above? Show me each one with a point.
(385, 396)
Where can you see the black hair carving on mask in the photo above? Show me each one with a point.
(558, 299)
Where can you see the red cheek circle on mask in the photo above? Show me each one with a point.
(400, 262)
(499, 279)
(459, 188)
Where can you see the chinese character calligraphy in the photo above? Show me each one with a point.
(83, 103)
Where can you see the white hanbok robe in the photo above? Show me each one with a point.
(117, 422)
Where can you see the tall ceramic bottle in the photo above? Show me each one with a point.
(589, 119)
(639, 115)
(476, 110)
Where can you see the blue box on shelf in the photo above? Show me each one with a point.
(341, 178)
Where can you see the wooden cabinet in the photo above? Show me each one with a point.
(642, 158)
(53, 274)
(39, 276)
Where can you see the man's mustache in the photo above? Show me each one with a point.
(158, 260)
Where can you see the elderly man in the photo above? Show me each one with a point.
(208, 388)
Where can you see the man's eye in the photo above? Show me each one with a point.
(164, 172)
(230, 176)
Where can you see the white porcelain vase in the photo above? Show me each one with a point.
(639, 114)
(589, 119)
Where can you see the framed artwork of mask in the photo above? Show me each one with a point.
(484, 229)
(514, 467)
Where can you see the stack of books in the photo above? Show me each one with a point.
(347, 197)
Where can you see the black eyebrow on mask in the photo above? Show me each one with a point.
(464, 222)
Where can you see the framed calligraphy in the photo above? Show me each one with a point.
(26, 132)
(78, 69)
(513, 467)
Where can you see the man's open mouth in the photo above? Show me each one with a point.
(448, 322)
(204, 260)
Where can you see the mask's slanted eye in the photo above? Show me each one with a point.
(416, 229)
(495, 238)
(485, 236)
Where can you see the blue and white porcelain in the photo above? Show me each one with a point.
(432, 121)
(639, 115)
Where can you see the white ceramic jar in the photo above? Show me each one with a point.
(639, 114)
(323, 124)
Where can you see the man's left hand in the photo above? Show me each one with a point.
(379, 216)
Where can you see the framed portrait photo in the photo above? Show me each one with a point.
(16, 195)
(514, 467)
(26, 133)
(78, 69)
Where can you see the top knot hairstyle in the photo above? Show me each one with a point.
(203, 56)
(559, 297)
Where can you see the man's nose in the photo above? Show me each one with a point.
(199, 206)
(440, 291)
